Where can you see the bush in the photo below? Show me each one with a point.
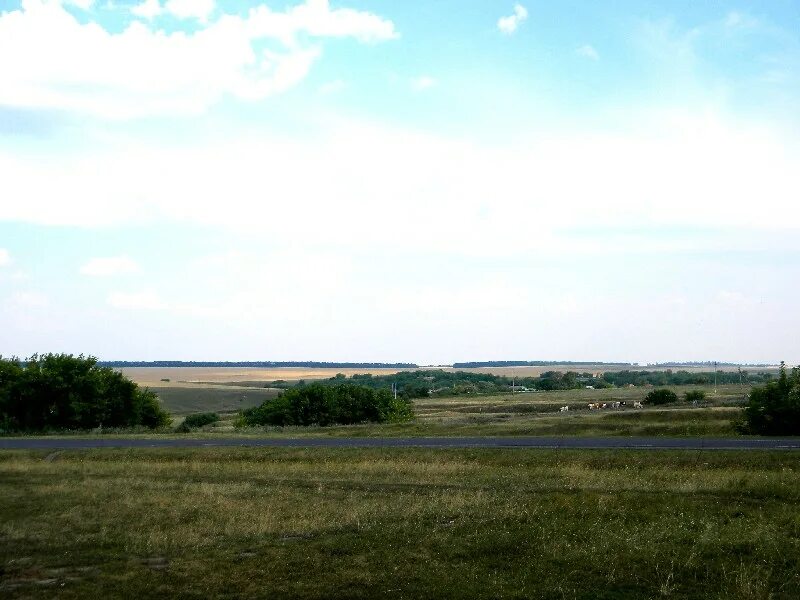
(662, 396)
(197, 420)
(61, 391)
(774, 408)
(694, 396)
(341, 404)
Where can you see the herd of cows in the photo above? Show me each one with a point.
(603, 405)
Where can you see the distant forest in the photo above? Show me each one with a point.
(420, 384)
(707, 363)
(255, 364)
(533, 363)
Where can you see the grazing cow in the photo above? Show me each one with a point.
(593, 406)
(604, 405)
(637, 405)
(615, 405)
(564, 409)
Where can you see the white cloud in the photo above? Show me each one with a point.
(423, 82)
(148, 9)
(106, 267)
(509, 25)
(673, 166)
(191, 9)
(82, 4)
(144, 300)
(315, 18)
(5, 257)
(142, 70)
(587, 51)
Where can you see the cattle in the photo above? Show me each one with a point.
(637, 405)
(563, 409)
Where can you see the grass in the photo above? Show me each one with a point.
(502, 415)
(188, 400)
(538, 414)
(399, 523)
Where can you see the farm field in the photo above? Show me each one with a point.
(229, 390)
(183, 376)
(184, 400)
(401, 523)
(508, 414)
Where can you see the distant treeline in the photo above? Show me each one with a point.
(255, 364)
(533, 363)
(434, 382)
(708, 363)
(669, 377)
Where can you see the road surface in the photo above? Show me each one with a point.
(644, 443)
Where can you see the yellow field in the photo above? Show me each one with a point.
(190, 376)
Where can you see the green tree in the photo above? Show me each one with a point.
(62, 391)
(662, 396)
(694, 396)
(318, 404)
(774, 408)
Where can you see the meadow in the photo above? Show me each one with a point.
(399, 523)
(228, 390)
(518, 414)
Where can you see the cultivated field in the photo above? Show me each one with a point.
(183, 376)
(184, 400)
(516, 414)
(399, 523)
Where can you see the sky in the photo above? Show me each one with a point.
(400, 181)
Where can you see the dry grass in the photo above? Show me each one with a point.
(403, 523)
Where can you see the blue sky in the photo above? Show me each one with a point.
(196, 179)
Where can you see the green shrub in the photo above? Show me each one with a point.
(694, 396)
(61, 391)
(197, 420)
(662, 396)
(341, 404)
(774, 408)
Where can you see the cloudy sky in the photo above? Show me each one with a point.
(420, 181)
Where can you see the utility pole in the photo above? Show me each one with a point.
(715, 378)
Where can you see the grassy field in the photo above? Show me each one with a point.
(506, 414)
(179, 400)
(399, 523)
(538, 414)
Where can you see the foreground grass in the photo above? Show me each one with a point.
(404, 523)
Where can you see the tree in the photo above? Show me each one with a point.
(318, 404)
(694, 396)
(662, 396)
(62, 391)
(774, 408)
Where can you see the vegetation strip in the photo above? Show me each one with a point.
(397, 442)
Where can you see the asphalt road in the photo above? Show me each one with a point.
(641, 443)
